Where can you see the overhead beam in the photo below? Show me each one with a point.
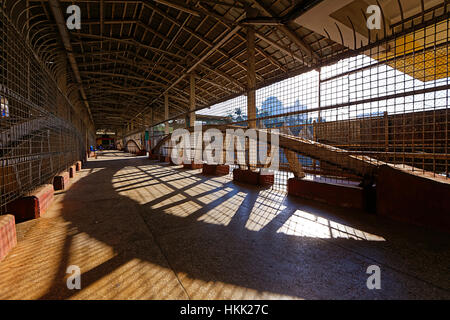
(288, 32)
(229, 24)
(128, 41)
(282, 48)
(55, 6)
(179, 6)
(200, 61)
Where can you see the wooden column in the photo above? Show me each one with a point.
(192, 100)
(386, 134)
(166, 113)
(150, 130)
(251, 81)
(251, 71)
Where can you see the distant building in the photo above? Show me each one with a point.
(272, 106)
(294, 124)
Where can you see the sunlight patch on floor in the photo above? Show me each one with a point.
(304, 224)
(267, 206)
(125, 282)
(223, 213)
(213, 196)
(183, 209)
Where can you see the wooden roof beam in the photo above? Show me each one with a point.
(288, 32)
(179, 6)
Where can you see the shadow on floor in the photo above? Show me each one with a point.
(207, 238)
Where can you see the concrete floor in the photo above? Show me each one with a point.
(139, 229)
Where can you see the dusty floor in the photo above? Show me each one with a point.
(139, 229)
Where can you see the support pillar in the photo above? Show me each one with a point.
(192, 100)
(251, 81)
(150, 131)
(251, 71)
(166, 113)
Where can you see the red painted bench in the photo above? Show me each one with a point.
(33, 205)
(415, 198)
(222, 169)
(192, 166)
(253, 177)
(347, 196)
(61, 182)
(141, 153)
(266, 180)
(209, 168)
(8, 238)
(215, 169)
(246, 176)
(72, 171)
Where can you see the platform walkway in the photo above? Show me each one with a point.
(139, 229)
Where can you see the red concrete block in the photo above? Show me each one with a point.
(209, 169)
(78, 165)
(222, 170)
(413, 198)
(8, 238)
(33, 205)
(333, 194)
(61, 182)
(238, 175)
(196, 166)
(72, 171)
(215, 169)
(24, 208)
(187, 166)
(266, 180)
(192, 166)
(246, 176)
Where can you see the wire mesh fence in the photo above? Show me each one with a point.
(40, 132)
(386, 102)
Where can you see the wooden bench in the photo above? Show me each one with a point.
(33, 205)
(8, 238)
(347, 196)
(61, 181)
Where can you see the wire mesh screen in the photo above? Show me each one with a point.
(391, 103)
(384, 103)
(40, 134)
